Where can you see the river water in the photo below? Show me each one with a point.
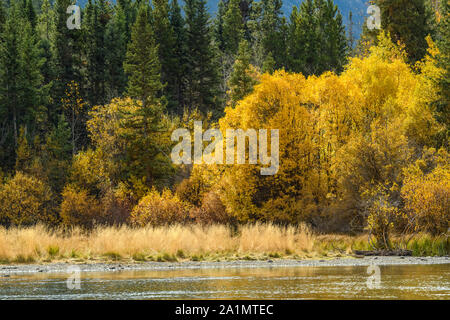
(387, 282)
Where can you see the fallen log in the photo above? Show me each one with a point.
(385, 252)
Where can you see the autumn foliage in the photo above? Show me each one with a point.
(160, 209)
(356, 154)
(25, 200)
(426, 191)
(345, 142)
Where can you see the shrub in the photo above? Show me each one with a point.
(426, 191)
(53, 251)
(192, 190)
(88, 171)
(113, 255)
(160, 209)
(79, 208)
(284, 210)
(380, 220)
(25, 200)
(117, 205)
(212, 211)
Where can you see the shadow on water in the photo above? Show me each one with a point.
(396, 282)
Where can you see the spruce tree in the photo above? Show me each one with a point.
(272, 27)
(95, 22)
(218, 26)
(333, 40)
(20, 79)
(142, 125)
(303, 43)
(19, 70)
(30, 13)
(233, 28)
(241, 80)
(45, 30)
(316, 40)
(202, 76)
(31, 93)
(128, 10)
(246, 7)
(115, 52)
(142, 64)
(57, 154)
(406, 21)
(165, 38)
(179, 55)
(2, 18)
(46, 20)
(67, 46)
(268, 64)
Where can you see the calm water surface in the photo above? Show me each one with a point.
(397, 282)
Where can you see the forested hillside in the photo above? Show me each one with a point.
(86, 115)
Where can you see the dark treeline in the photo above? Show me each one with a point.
(49, 71)
(169, 55)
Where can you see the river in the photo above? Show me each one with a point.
(341, 282)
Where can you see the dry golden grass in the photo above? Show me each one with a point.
(193, 242)
(39, 244)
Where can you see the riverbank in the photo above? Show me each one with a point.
(9, 270)
(183, 243)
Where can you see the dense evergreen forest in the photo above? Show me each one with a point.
(86, 114)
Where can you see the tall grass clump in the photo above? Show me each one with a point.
(426, 245)
(166, 243)
(185, 242)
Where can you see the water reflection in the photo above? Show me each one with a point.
(397, 282)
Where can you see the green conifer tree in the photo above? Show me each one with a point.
(115, 53)
(316, 40)
(20, 79)
(166, 40)
(233, 28)
(30, 13)
(218, 26)
(268, 64)
(179, 56)
(272, 27)
(2, 18)
(142, 128)
(202, 74)
(129, 11)
(67, 46)
(241, 81)
(142, 64)
(406, 21)
(95, 22)
(19, 71)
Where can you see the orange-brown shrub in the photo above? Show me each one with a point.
(79, 208)
(192, 190)
(117, 205)
(212, 211)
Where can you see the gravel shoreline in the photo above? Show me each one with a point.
(8, 270)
